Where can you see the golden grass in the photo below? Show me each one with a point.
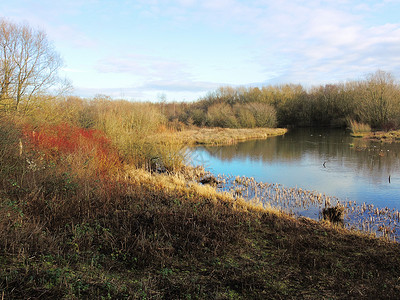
(164, 237)
(359, 129)
(218, 136)
(147, 235)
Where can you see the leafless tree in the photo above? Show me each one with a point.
(380, 101)
(28, 64)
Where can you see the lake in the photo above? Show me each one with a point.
(327, 161)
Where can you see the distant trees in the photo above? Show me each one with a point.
(28, 64)
(374, 101)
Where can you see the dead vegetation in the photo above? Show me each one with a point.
(75, 224)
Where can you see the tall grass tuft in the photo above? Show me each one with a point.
(357, 127)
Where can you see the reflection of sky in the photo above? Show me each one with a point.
(342, 177)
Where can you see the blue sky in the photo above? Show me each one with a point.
(182, 49)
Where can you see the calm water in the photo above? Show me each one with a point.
(328, 161)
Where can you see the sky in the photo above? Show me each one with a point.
(180, 50)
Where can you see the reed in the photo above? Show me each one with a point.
(219, 136)
(359, 129)
(303, 203)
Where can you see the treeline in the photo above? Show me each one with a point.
(375, 101)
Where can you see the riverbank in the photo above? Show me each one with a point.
(168, 237)
(217, 136)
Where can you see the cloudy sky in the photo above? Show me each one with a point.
(182, 49)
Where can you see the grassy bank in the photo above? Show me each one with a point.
(218, 136)
(158, 236)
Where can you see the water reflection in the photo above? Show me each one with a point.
(328, 161)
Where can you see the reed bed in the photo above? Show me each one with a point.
(380, 221)
(218, 136)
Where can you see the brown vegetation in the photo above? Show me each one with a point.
(334, 214)
(382, 136)
(218, 136)
(76, 224)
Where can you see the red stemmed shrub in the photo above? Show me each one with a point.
(89, 147)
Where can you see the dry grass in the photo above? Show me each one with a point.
(68, 231)
(359, 129)
(159, 236)
(220, 136)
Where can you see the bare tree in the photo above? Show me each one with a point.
(380, 101)
(28, 64)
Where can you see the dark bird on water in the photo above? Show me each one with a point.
(324, 164)
(389, 178)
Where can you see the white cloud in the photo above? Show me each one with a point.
(117, 93)
(180, 85)
(318, 43)
(303, 42)
(47, 16)
(72, 70)
(144, 66)
(73, 36)
(151, 75)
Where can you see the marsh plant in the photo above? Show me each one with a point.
(303, 203)
(357, 127)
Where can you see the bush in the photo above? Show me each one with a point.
(128, 125)
(199, 117)
(245, 116)
(221, 115)
(264, 114)
(86, 151)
